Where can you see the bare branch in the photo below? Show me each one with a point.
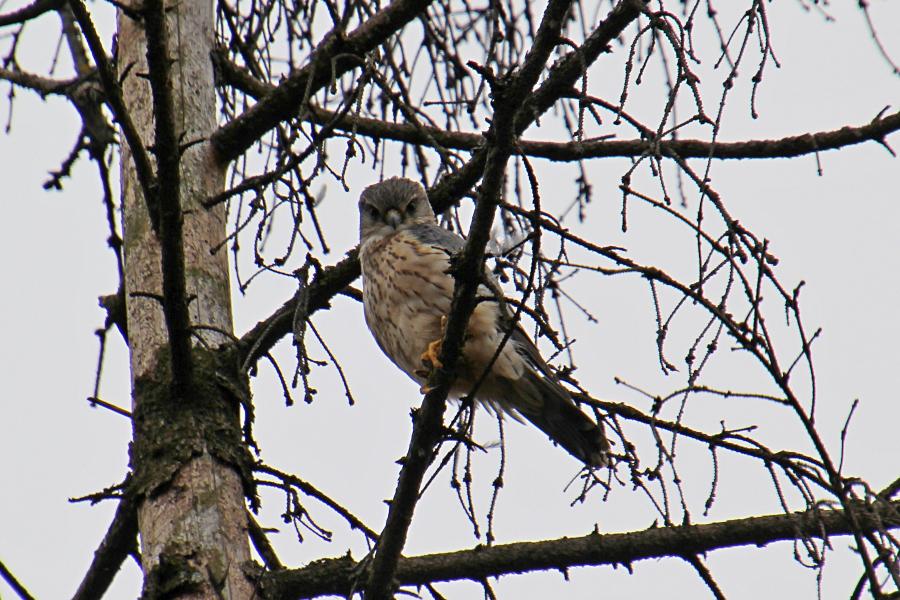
(261, 544)
(786, 460)
(326, 284)
(706, 575)
(787, 147)
(310, 490)
(14, 583)
(422, 135)
(334, 576)
(120, 540)
(113, 92)
(33, 10)
(167, 149)
(335, 55)
(42, 85)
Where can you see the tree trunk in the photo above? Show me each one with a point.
(191, 512)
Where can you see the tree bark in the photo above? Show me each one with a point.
(191, 511)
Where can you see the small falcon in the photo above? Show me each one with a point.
(407, 291)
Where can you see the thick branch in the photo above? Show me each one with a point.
(119, 541)
(335, 576)
(787, 147)
(168, 156)
(86, 94)
(335, 55)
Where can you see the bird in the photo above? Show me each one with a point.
(407, 291)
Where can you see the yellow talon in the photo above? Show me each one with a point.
(430, 362)
(430, 356)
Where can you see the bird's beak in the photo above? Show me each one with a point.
(393, 218)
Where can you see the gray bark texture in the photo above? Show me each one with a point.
(193, 523)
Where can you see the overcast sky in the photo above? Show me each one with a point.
(837, 232)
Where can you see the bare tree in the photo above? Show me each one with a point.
(226, 120)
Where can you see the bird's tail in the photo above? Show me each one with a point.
(557, 415)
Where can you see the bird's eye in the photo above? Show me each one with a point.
(411, 207)
(371, 211)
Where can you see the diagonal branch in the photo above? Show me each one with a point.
(86, 94)
(261, 544)
(337, 54)
(560, 79)
(20, 590)
(311, 491)
(334, 576)
(508, 93)
(326, 284)
(113, 91)
(29, 12)
(168, 200)
(789, 461)
(567, 71)
(119, 541)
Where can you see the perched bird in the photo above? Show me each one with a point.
(407, 291)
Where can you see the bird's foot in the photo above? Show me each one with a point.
(429, 358)
(430, 363)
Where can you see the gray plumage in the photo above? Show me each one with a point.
(407, 292)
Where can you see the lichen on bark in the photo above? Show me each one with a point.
(169, 430)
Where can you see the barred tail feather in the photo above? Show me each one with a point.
(563, 422)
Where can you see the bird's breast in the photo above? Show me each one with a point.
(406, 291)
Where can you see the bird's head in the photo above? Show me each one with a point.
(391, 205)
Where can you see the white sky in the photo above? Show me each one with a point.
(837, 232)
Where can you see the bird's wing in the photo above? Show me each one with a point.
(435, 235)
(537, 395)
(527, 349)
